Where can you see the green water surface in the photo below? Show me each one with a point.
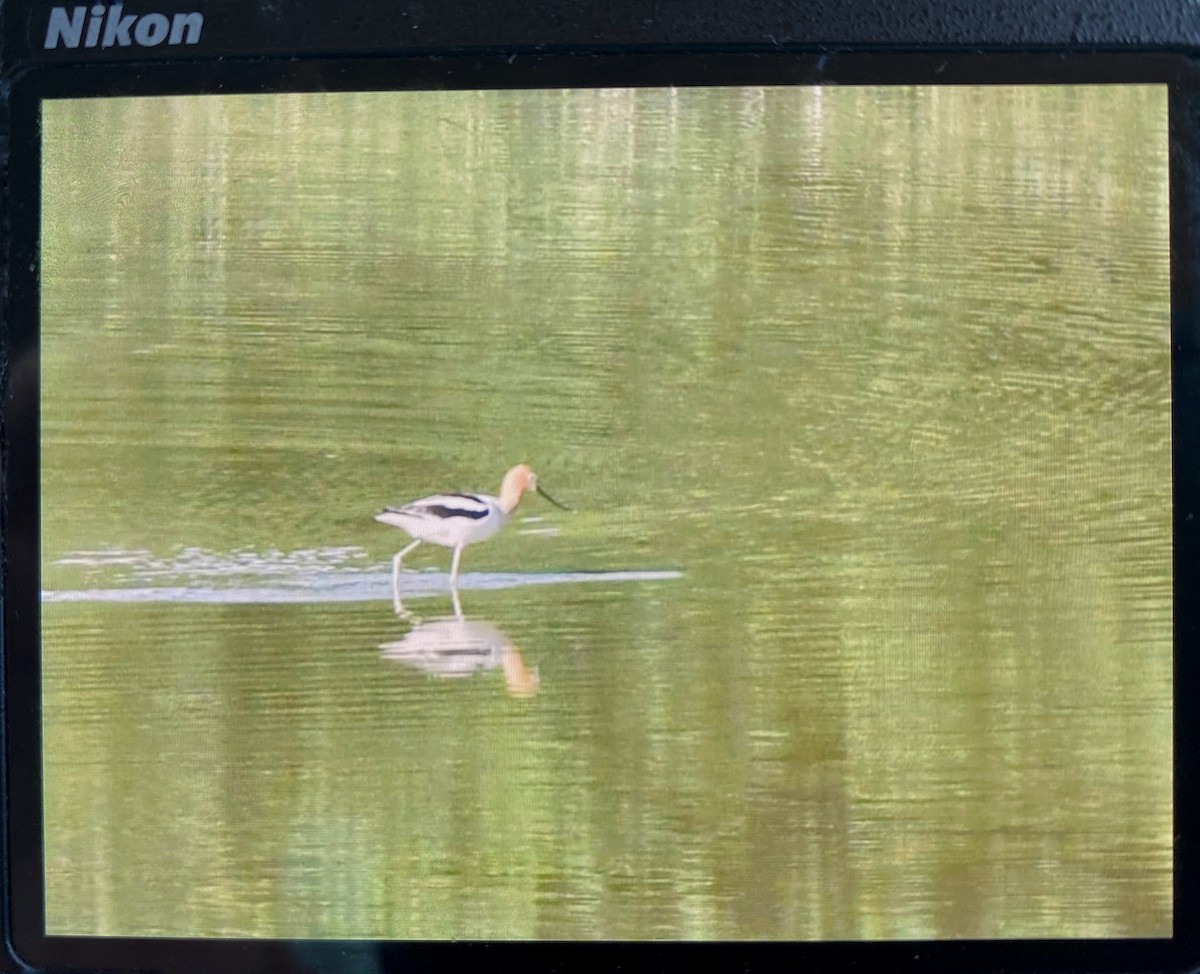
(882, 374)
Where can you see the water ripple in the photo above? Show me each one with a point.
(292, 577)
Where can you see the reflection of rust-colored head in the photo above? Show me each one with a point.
(521, 680)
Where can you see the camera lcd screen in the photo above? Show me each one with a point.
(855, 620)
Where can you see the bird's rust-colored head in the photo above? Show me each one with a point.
(518, 480)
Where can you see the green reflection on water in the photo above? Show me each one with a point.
(883, 372)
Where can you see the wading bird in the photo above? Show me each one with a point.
(457, 520)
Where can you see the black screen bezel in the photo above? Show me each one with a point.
(21, 566)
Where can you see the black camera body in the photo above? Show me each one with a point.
(834, 367)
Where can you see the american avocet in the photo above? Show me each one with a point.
(457, 520)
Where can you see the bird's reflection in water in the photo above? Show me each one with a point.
(457, 647)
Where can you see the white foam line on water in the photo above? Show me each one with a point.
(348, 587)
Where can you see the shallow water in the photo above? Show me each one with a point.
(861, 624)
(330, 575)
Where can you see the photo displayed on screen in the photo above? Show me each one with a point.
(680, 513)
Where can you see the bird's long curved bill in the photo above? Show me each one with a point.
(551, 499)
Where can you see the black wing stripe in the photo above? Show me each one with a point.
(437, 510)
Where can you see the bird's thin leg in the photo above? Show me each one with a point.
(396, 603)
(457, 605)
(454, 566)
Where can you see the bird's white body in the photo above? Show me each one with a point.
(457, 520)
(449, 520)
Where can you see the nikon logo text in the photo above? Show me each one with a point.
(104, 26)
